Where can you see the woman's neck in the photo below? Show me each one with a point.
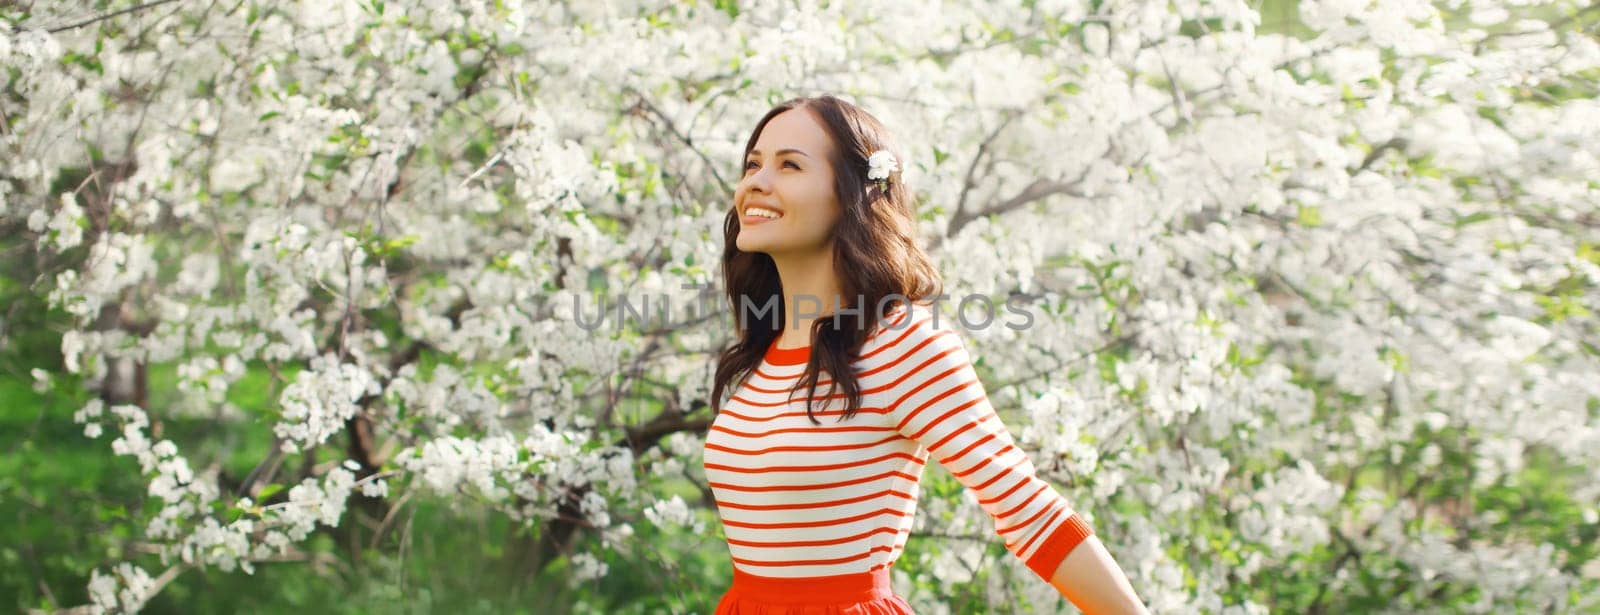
(810, 289)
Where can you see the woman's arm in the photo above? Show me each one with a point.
(1093, 581)
(940, 403)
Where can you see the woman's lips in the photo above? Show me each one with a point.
(752, 220)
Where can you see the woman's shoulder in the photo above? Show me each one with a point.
(912, 325)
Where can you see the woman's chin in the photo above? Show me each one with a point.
(749, 243)
(754, 246)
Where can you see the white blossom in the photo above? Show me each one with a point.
(881, 164)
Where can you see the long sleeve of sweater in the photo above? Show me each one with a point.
(941, 404)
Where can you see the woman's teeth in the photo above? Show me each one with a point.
(764, 213)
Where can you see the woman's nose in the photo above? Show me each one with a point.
(759, 180)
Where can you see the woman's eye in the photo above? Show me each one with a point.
(752, 164)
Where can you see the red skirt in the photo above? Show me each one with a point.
(861, 593)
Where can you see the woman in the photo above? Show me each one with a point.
(830, 290)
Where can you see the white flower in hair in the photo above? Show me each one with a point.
(880, 165)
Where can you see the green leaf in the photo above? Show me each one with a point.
(1309, 215)
(268, 491)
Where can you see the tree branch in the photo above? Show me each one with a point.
(99, 18)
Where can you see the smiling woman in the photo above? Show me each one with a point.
(815, 515)
(791, 184)
(808, 225)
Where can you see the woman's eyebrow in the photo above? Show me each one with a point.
(788, 150)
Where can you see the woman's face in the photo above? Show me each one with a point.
(787, 174)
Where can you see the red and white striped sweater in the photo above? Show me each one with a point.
(799, 499)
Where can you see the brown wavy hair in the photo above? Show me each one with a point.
(876, 259)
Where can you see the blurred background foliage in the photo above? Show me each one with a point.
(69, 505)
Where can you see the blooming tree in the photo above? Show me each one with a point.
(1303, 301)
